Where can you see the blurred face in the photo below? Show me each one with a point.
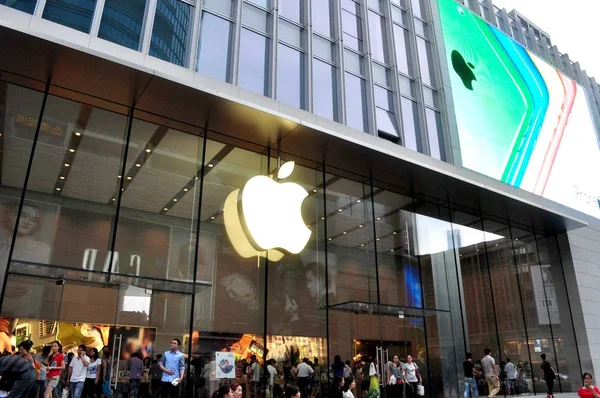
(297, 395)
(587, 380)
(395, 359)
(23, 351)
(28, 221)
(237, 393)
(342, 383)
(80, 351)
(54, 348)
(174, 345)
(409, 359)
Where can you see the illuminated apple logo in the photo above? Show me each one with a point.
(265, 218)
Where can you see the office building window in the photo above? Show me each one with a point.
(352, 25)
(425, 61)
(291, 9)
(410, 125)
(170, 33)
(434, 133)
(290, 76)
(75, 14)
(122, 22)
(386, 121)
(27, 6)
(377, 38)
(324, 90)
(322, 17)
(356, 102)
(214, 53)
(403, 58)
(253, 62)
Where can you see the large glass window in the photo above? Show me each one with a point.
(356, 102)
(253, 62)
(434, 132)
(425, 61)
(122, 22)
(27, 6)
(410, 125)
(76, 14)
(291, 9)
(170, 31)
(290, 76)
(352, 25)
(403, 60)
(377, 37)
(325, 92)
(322, 20)
(214, 54)
(386, 122)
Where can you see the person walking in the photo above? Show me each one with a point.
(56, 363)
(92, 387)
(549, 375)
(77, 372)
(490, 371)
(17, 371)
(135, 365)
(470, 372)
(255, 376)
(272, 373)
(305, 374)
(172, 365)
(411, 374)
(512, 374)
(395, 384)
(348, 389)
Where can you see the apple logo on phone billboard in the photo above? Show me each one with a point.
(264, 218)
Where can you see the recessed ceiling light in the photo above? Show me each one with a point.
(378, 218)
(62, 178)
(358, 201)
(322, 218)
(166, 208)
(516, 238)
(496, 244)
(210, 165)
(329, 239)
(122, 189)
(212, 218)
(461, 255)
(148, 150)
(67, 164)
(118, 176)
(392, 250)
(344, 232)
(58, 189)
(377, 238)
(71, 150)
(395, 232)
(78, 134)
(138, 165)
(185, 189)
(129, 177)
(360, 226)
(362, 244)
(174, 199)
(195, 178)
(314, 190)
(114, 199)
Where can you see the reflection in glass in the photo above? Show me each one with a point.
(324, 99)
(122, 22)
(386, 121)
(290, 76)
(27, 6)
(356, 98)
(434, 133)
(214, 47)
(75, 14)
(425, 61)
(170, 31)
(255, 18)
(376, 37)
(402, 50)
(223, 7)
(290, 33)
(254, 55)
(410, 125)
(352, 30)
(321, 17)
(291, 9)
(323, 48)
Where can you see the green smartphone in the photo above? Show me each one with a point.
(492, 102)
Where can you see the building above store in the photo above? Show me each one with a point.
(179, 98)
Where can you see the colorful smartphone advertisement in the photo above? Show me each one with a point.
(519, 119)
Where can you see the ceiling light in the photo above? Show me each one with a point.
(358, 201)
(212, 218)
(360, 226)
(129, 177)
(118, 176)
(185, 190)
(58, 189)
(329, 239)
(344, 232)
(378, 218)
(114, 199)
(210, 165)
(67, 164)
(314, 190)
(138, 165)
(195, 178)
(148, 150)
(392, 250)
(62, 178)
(78, 134)
(322, 218)
(516, 238)
(308, 225)
(166, 208)
(362, 244)
(461, 255)
(395, 232)
(477, 249)
(122, 189)
(496, 244)
(341, 210)
(377, 238)
(71, 150)
(174, 199)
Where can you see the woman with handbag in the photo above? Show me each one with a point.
(412, 377)
(395, 379)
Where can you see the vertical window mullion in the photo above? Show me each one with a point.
(148, 26)
(97, 18)
(194, 37)
(235, 52)
(306, 12)
(272, 73)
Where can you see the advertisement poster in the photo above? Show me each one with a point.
(225, 365)
(545, 295)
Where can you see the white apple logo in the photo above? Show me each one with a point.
(268, 218)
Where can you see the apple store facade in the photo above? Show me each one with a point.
(120, 186)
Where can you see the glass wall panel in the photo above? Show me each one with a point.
(223, 7)
(352, 25)
(325, 98)
(255, 17)
(170, 31)
(356, 102)
(19, 115)
(122, 22)
(214, 52)
(410, 125)
(27, 6)
(254, 57)
(403, 60)
(434, 132)
(290, 76)
(75, 14)
(425, 61)
(377, 37)
(322, 17)
(386, 122)
(291, 9)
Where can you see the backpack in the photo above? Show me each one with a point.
(36, 365)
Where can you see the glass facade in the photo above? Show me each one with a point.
(171, 30)
(75, 14)
(122, 22)
(119, 232)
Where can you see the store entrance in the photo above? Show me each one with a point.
(120, 316)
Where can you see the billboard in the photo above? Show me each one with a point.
(519, 119)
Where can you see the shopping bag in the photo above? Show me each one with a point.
(420, 390)
(392, 380)
(65, 393)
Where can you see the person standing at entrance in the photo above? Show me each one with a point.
(549, 375)
(77, 372)
(305, 374)
(395, 384)
(490, 371)
(412, 377)
(470, 372)
(135, 366)
(172, 365)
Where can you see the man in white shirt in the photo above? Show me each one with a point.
(77, 371)
(272, 372)
(511, 375)
(256, 371)
(491, 373)
(305, 374)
